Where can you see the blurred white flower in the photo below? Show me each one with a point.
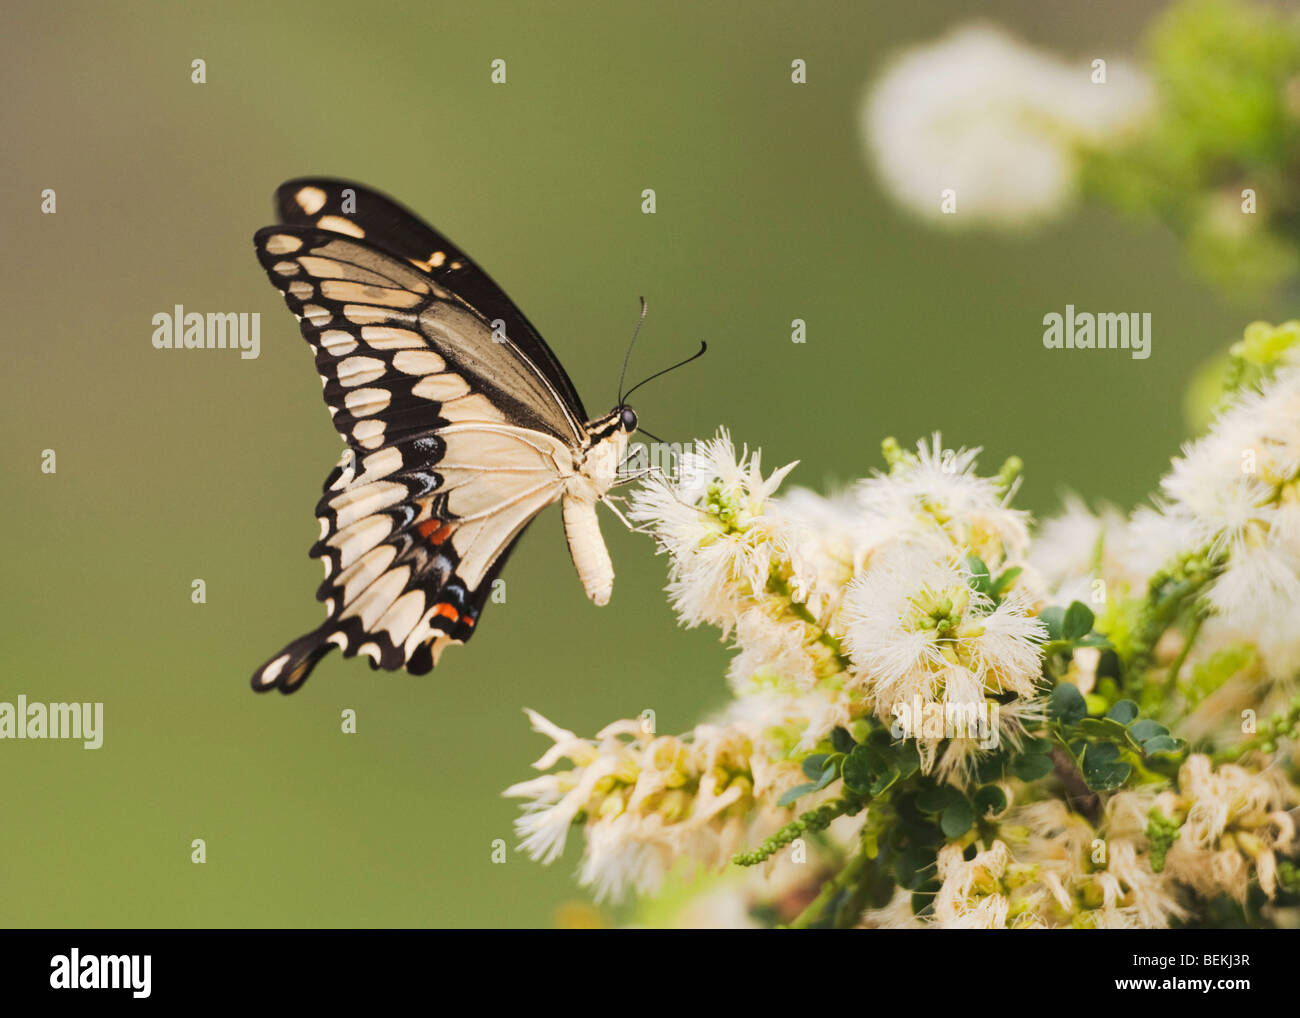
(790, 723)
(995, 120)
(972, 896)
(773, 651)
(1235, 822)
(648, 803)
(1152, 540)
(1077, 546)
(830, 538)
(1232, 822)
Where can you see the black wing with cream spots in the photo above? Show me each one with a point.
(346, 207)
(455, 442)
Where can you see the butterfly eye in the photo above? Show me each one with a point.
(628, 419)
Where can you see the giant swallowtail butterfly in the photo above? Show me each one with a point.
(460, 425)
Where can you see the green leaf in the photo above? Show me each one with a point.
(1031, 766)
(979, 575)
(1006, 579)
(885, 781)
(923, 898)
(842, 740)
(990, 768)
(1102, 728)
(1101, 753)
(910, 866)
(937, 798)
(1146, 729)
(990, 799)
(1054, 619)
(794, 793)
(908, 759)
(1092, 640)
(814, 765)
(1102, 768)
(1078, 621)
(957, 819)
(1123, 712)
(1067, 704)
(861, 768)
(1105, 777)
(1163, 744)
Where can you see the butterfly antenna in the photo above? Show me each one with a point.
(680, 364)
(628, 356)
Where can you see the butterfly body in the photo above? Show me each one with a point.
(460, 426)
(594, 476)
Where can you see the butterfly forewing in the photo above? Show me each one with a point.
(348, 208)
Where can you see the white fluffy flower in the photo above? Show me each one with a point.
(994, 120)
(713, 523)
(917, 634)
(1236, 493)
(829, 538)
(915, 627)
(648, 803)
(936, 495)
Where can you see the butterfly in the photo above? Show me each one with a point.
(460, 425)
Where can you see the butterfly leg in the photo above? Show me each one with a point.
(609, 501)
(652, 471)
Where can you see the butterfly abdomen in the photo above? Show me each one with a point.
(587, 548)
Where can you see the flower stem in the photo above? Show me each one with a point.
(1187, 647)
(810, 822)
(847, 913)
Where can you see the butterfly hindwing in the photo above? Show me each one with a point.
(455, 443)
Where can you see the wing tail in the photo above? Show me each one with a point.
(289, 669)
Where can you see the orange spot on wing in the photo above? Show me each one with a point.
(435, 531)
(470, 620)
(447, 611)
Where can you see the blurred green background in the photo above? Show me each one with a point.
(173, 466)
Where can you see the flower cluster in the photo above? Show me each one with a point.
(647, 801)
(1226, 825)
(942, 717)
(1235, 494)
(1223, 530)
